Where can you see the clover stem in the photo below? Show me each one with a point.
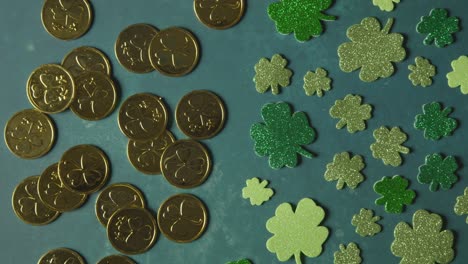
(327, 17)
(341, 124)
(388, 26)
(403, 149)
(297, 257)
(304, 152)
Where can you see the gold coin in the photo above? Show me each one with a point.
(219, 14)
(84, 169)
(115, 197)
(66, 19)
(61, 256)
(131, 47)
(200, 114)
(96, 96)
(27, 205)
(132, 230)
(145, 155)
(182, 218)
(142, 117)
(116, 259)
(84, 59)
(54, 195)
(174, 52)
(29, 134)
(50, 88)
(185, 164)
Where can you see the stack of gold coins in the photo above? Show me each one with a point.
(217, 14)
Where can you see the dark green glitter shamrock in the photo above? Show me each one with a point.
(394, 193)
(438, 171)
(438, 27)
(435, 121)
(300, 16)
(282, 135)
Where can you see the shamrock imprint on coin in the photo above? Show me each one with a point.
(61, 256)
(86, 172)
(50, 89)
(94, 93)
(219, 14)
(86, 59)
(132, 228)
(66, 19)
(67, 14)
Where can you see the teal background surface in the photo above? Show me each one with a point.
(236, 229)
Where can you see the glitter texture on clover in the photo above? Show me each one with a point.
(394, 194)
(303, 17)
(461, 206)
(439, 27)
(366, 223)
(388, 145)
(385, 5)
(459, 76)
(256, 191)
(435, 121)
(242, 261)
(272, 74)
(316, 82)
(421, 72)
(438, 171)
(351, 112)
(347, 254)
(425, 242)
(345, 170)
(372, 49)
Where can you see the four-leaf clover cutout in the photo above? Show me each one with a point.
(394, 193)
(351, 113)
(271, 74)
(438, 27)
(438, 171)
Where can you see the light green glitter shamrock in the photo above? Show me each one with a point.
(438, 171)
(435, 121)
(296, 232)
(282, 135)
(394, 193)
(366, 223)
(388, 145)
(422, 72)
(316, 82)
(372, 49)
(256, 191)
(438, 27)
(461, 207)
(385, 5)
(352, 114)
(300, 16)
(345, 170)
(348, 255)
(271, 74)
(425, 242)
(242, 261)
(459, 75)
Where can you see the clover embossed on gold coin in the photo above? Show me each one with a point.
(219, 14)
(66, 19)
(61, 256)
(86, 59)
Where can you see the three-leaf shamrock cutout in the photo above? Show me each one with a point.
(461, 206)
(435, 121)
(394, 193)
(459, 75)
(271, 74)
(316, 82)
(438, 27)
(385, 5)
(345, 170)
(303, 17)
(282, 135)
(438, 171)
(422, 72)
(388, 145)
(351, 112)
(348, 255)
(366, 223)
(296, 232)
(256, 191)
(372, 49)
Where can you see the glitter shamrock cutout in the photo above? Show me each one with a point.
(388, 145)
(461, 206)
(394, 193)
(316, 82)
(351, 112)
(282, 135)
(438, 27)
(256, 191)
(303, 17)
(296, 232)
(435, 121)
(372, 49)
(348, 255)
(459, 75)
(242, 261)
(438, 171)
(345, 170)
(366, 223)
(425, 242)
(422, 72)
(271, 74)
(385, 5)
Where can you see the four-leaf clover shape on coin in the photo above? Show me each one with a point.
(51, 89)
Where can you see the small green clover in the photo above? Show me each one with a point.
(351, 113)
(388, 145)
(300, 16)
(459, 75)
(256, 191)
(422, 72)
(366, 223)
(348, 255)
(242, 261)
(385, 5)
(438, 171)
(271, 74)
(461, 206)
(345, 170)
(438, 27)
(316, 82)
(394, 193)
(282, 135)
(435, 121)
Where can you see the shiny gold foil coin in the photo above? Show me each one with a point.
(29, 134)
(145, 155)
(131, 47)
(185, 164)
(84, 169)
(54, 195)
(115, 197)
(219, 14)
(182, 218)
(174, 52)
(132, 230)
(143, 117)
(61, 256)
(86, 59)
(200, 114)
(66, 19)
(96, 96)
(116, 259)
(50, 88)
(27, 205)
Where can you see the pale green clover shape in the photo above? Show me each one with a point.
(348, 255)
(459, 75)
(296, 232)
(351, 112)
(425, 242)
(366, 223)
(271, 74)
(461, 207)
(422, 72)
(316, 82)
(256, 191)
(388, 145)
(345, 170)
(385, 5)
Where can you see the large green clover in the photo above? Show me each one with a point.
(438, 27)
(282, 135)
(388, 146)
(394, 193)
(351, 112)
(345, 170)
(438, 171)
(435, 121)
(459, 75)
